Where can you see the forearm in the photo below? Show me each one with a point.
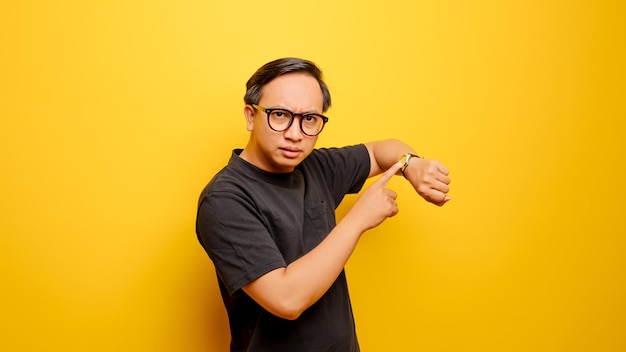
(287, 292)
(385, 153)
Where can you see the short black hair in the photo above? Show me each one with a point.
(279, 67)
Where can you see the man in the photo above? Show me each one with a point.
(267, 219)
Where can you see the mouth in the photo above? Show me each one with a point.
(291, 152)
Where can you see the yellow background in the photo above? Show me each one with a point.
(115, 114)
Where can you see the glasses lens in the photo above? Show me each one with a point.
(312, 124)
(279, 119)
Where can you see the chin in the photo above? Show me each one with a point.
(290, 166)
(284, 165)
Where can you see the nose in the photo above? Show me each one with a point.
(294, 132)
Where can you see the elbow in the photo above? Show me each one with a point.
(290, 316)
(288, 310)
(286, 307)
(284, 300)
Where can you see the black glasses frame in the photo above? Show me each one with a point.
(268, 111)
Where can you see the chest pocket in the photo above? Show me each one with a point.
(321, 219)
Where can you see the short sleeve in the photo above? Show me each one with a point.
(236, 239)
(344, 170)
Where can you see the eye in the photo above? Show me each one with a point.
(280, 114)
(310, 118)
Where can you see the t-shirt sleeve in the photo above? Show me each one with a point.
(236, 239)
(344, 169)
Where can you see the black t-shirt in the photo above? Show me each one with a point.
(251, 222)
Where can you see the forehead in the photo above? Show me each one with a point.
(293, 90)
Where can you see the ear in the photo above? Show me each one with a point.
(248, 112)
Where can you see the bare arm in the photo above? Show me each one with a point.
(287, 292)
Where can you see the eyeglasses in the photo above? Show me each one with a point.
(281, 119)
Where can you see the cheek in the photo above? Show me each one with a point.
(310, 144)
(259, 125)
(264, 134)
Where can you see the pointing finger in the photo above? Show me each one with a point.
(387, 175)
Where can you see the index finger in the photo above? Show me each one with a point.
(387, 175)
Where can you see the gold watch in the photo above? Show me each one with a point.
(405, 161)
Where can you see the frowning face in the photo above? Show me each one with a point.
(281, 152)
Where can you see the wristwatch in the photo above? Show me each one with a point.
(405, 161)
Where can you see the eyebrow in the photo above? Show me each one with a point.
(314, 112)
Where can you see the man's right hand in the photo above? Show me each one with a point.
(376, 203)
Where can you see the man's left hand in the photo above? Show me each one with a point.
(430, 180)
